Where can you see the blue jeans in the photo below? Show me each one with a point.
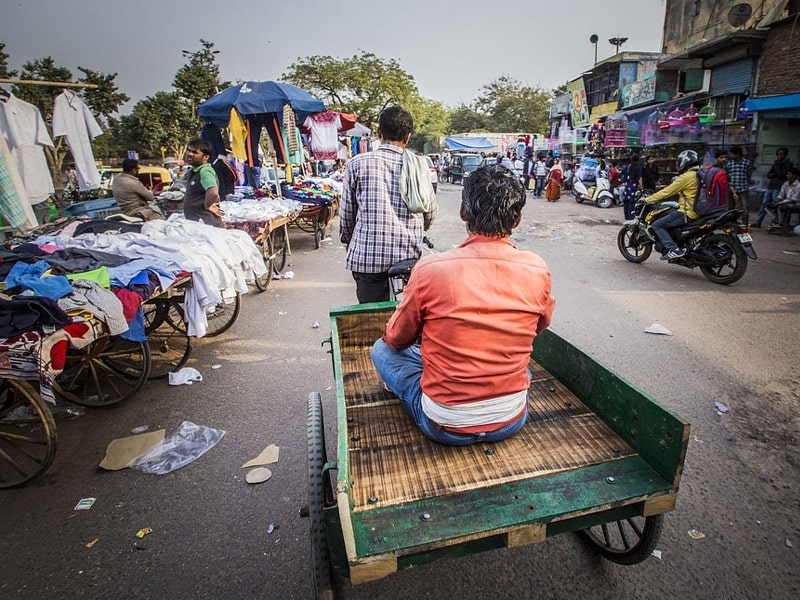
(769, 196)
(537, 193)
(673, 219)
(401, 371)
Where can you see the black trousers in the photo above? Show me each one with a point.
(371, 287)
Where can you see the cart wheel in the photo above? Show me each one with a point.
(317, 458)
(625, 542)
(27, 433)
(104, 373)
(223, 316)
(320, 225)
(278, 249)
(170, 347)
(262, 282)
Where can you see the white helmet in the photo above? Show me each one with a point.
(686, 159)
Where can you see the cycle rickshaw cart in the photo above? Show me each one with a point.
(597, 456)
(316, 215)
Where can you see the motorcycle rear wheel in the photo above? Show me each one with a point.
(630, 246)
(734, 268)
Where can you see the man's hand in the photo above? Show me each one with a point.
(215, 209)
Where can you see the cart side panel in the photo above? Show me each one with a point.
(659, 436)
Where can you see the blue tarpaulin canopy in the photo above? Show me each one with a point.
(473, 143)
(782, 106)
(258, 97)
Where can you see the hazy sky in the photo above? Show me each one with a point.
(451, 48)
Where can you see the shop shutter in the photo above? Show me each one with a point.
(733, 78)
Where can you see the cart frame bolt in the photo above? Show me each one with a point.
(426, 517)
(611, 480)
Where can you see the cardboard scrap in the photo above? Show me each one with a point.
(267, 456)
(122, 451)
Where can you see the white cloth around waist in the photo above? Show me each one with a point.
(470, 414)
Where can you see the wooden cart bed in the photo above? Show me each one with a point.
(403, 497)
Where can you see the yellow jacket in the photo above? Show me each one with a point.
(685, 185)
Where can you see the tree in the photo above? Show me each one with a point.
(5, 73)
(164, 119)
(363, 84)
(512, 107)
(104, 101)
(431, 122)
(198, 80)
(465, 119)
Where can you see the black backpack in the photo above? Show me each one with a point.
(712, 191)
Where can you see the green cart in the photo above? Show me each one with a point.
(597, 456)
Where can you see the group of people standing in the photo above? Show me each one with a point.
(547, 175)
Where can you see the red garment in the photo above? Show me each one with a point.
(131, 301)
(478, 308)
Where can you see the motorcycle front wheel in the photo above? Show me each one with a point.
(633, 245)
(730, 262)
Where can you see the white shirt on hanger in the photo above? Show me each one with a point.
(26, 134)
(73, 119)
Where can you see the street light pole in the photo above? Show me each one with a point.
(593, 39)
(617, 42)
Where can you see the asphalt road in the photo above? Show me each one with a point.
(215, 536)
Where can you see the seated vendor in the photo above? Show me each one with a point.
(133, 198)
(478, 308)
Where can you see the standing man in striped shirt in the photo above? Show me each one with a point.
(374, 222)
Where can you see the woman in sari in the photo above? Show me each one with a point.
(555, 179)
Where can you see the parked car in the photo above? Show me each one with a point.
(462, 166)
(155, 179)
(434, 172)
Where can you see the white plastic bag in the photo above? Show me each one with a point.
(178, 449)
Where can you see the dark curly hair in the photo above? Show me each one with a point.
(492, 201)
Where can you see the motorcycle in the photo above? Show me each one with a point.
(716, 243)
(600, 193)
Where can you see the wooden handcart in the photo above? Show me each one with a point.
(597, 456)
(315, 217)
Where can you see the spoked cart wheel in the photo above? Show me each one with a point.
(319, 491)
(320, 225)
(222, 316)
(165, 327)
(106, 372)
(262, 282)
(625, 542)
(27, 433)
(278, 248)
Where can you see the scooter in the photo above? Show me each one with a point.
(600, 193)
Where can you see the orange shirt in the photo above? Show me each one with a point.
(478, 308)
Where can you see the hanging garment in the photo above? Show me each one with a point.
(73, 120)
(269, 122)
(290, 127)
(24, 129)
(238, 135)
(14, 207)
(324, 128)
(213, 135)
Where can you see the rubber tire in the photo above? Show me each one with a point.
(43, 435)
(605, 202)
(317, 457)
(262, 283)
(278, 249)
(103, 369)
(623, 244)
(739, 255)
(170, 347)
(578, 198)
(223, 317)
(647, 542)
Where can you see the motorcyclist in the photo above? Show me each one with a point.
(685, 186)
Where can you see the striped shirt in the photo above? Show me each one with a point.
(373, 219)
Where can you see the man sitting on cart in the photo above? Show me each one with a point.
(478, 308)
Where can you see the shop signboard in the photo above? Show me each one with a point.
(578, 108)
(640, 91)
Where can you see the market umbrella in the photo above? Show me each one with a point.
(258, 97)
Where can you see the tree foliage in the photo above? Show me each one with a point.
(5, 72)
(510, 106)
(162, 120)
(465, 119)
(363, 84)
(199, 79)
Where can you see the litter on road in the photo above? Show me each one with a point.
(657, 329)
